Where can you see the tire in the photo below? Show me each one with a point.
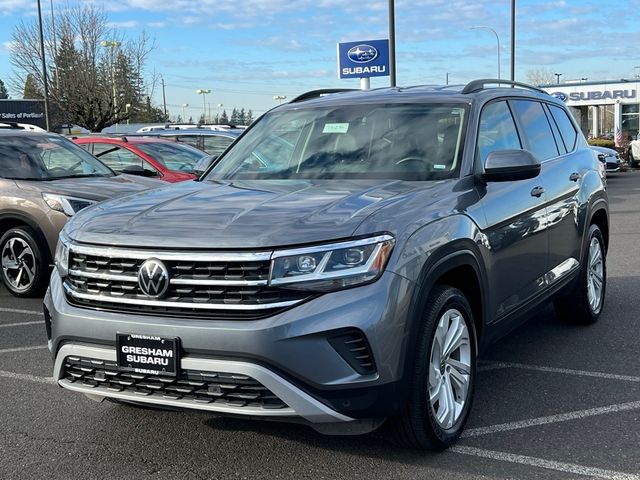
(584, 303)
(423, 425)
(633, 163)
(26, 276)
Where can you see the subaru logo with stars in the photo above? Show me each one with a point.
(362, 53)
(560, 96)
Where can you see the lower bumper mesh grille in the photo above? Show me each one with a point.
(202, 387)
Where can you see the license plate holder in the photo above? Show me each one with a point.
(148, 354)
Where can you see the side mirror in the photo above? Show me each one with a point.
(509, 165)
(602, 157)
(203, 164)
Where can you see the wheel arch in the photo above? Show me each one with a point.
(14, 219)
(600, 217)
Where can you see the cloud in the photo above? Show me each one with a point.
(156, 24)
(124, 24)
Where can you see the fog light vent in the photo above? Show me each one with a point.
(352, 345)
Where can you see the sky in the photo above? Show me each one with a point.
(247, 51)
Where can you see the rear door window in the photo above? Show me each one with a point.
(537, 131)
(216, 144)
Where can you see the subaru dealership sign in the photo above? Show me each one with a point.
(369, 58)
(23, 111)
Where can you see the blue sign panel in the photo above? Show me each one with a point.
(369, 58)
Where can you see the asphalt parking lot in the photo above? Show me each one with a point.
(553, 401)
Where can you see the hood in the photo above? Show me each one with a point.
(238, 215)
(96, 188)
(605, 150)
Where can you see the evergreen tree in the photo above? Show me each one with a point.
(202, 120)
(249, 118)
(223, 118)
(31, 89)
(190, 120)
(241, 117)
(4, 95)
(234, 117)
(179, 119)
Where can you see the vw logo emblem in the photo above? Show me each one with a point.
(362, 53)
(153, 278)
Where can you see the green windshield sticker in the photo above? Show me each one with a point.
(335, 128)
(439, 166)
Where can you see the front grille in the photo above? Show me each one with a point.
(201, 286)
(190, 385)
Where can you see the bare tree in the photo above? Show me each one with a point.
(93, 71)
(540, 76)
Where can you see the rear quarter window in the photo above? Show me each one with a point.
(565, 125)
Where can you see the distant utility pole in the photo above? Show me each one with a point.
(164, 98)
(392, 44)
(45, 82)
(558, 75)
(513, 40)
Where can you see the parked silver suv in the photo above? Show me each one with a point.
(342, 264)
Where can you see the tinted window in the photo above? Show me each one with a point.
(46, 157)
(536, 127)
(116, 157)
(174, 156)
(408, 142)
(215, 145)
(497, 130)
(567, 130)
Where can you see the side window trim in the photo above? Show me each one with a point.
(555, 131)
(575, 141)
(477, 161)
(522, 130)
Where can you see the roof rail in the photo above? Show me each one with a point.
(319, 93)
(476, 85)
(12, 125)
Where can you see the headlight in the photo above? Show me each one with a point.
(62, 255)
(67, 205)
(333, 266)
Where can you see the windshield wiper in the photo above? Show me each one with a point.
(83, 175)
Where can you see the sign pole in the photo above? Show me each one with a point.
(45, 82)
(392, 44)
(365, 83)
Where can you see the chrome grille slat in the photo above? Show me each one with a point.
(212, 285)
(189, 385)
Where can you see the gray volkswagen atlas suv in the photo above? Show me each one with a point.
(342, 264)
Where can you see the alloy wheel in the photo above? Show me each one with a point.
(18, 264)
(595, 275)
(449, 369)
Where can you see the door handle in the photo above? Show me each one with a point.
(537, 192)
(574, 177)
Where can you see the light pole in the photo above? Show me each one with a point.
(184, 112)
(279, 98)
(392, 43)
(203, 92)
(558, 75)
(513, 40)
(45, 82)
(112, 45)
(126, 111)
(484, 27)
(218, 107)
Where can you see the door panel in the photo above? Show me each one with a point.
(515, 229)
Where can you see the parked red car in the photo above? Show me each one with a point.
(149, 157)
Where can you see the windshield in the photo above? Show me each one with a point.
(406, 142)
(172, 155)
(46, 157)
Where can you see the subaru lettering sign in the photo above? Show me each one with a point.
(369, 58)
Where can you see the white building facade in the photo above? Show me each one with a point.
(603, 109)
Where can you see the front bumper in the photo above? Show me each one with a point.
(288, 353)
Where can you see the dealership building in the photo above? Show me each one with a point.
(609, 108)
